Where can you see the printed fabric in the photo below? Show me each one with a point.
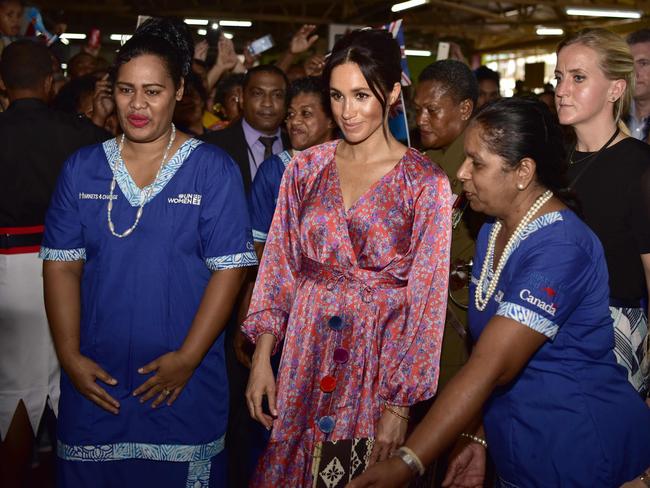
(379, 269)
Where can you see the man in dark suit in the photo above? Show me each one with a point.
(249, 141)
(257, 135)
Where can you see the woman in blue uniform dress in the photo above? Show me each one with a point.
(557, 410)
(146, 239)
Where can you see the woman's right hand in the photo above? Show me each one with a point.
(261, 382)
(467, 469)
(84, 373)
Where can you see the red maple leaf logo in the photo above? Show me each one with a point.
(549, 291)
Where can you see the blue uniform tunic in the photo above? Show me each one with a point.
(264, 195)
(570, 418)
(139, 295)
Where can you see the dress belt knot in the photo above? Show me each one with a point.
(333, 275)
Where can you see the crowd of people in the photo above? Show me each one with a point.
(231, 274)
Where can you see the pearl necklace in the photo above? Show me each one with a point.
(146, 192)
(479, 300)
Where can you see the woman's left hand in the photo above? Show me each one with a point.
(390, 434)
(386, 474)
(173, 370)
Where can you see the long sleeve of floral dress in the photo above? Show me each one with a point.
(273, 295)
(410, 350)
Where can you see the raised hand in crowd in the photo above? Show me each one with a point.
(303, 39)
(201, 50)
(249, 58)
(103, 102)
(226, 61)
(300, 43)
(314, 65)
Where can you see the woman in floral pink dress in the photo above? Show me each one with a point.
(353, 279)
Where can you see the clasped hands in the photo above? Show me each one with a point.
(172, 372)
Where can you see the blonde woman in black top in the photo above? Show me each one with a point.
(610, 173)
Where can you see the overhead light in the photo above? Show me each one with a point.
(202, 32)
(599, 12)
(398, 7)
(417, 52)
(196, 21)
(120, 37)
(64, 66)
(549, 31)
(72, 35)
(228, 35)
(64, 40)
(235, 23)
(214, 26)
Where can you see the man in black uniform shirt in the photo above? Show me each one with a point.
(34, 143)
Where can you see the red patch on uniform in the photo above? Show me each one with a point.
(549, 291)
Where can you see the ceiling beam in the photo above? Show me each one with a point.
(466, 8)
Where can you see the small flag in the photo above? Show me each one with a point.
(397, 31)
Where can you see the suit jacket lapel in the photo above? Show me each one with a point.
(240, 154)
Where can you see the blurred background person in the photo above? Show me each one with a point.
(81, 64)
(34, 142)
(445, 98)
(257, 135)
(76, 96)
(444, 102)
(228, 99)
(488, 85)
(610, 173)
(309, 123)
(639, 111)
(11, 17)
(250, 140)
(188, 113)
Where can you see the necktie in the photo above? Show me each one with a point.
(268, 145)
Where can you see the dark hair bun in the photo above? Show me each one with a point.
(176, 33)
(165, 37)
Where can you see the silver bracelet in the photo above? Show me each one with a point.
(475, 438)
(410, 459)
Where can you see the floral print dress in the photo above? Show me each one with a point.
(357, 296)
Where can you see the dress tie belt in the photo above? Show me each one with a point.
(333, 274)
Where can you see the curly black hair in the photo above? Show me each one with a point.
(453, 76)
(166, 37)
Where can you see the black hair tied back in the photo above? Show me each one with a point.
(165, 37)
(517, 128)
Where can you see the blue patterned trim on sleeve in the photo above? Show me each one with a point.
(239, 260)
(528, 318)
(198, 456)
(48, 254)
(131, 191)
(259, 236)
